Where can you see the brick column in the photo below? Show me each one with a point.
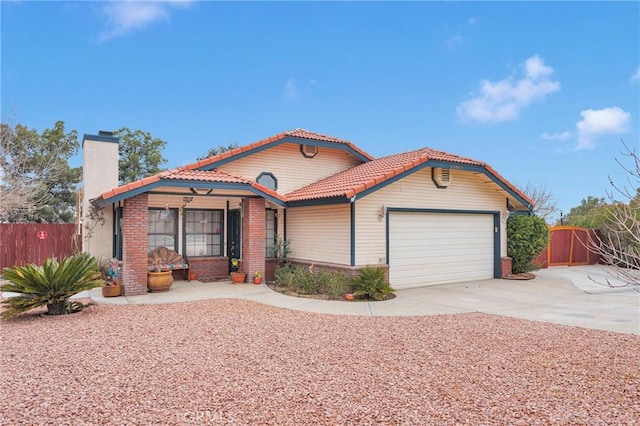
(253, 236)
(135, 244)
(505, 264)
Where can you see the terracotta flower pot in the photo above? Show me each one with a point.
(238, 277)
(349, 296)
(257, 280)
(159, 281)
(192, 276)
(111, 290)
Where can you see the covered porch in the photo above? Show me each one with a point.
(207, 221)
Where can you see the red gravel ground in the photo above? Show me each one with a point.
(238, 362)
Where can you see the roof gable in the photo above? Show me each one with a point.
(298, 136)
(368, 177)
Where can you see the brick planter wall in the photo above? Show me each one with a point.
(270, 270)
(135, 245)
(351, 271)
(210, 268)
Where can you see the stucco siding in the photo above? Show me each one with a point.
(290, 167)
(320, 233)
(467, 191)
(100, 173)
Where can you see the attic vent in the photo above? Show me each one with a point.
(309, 151)
(441, 177)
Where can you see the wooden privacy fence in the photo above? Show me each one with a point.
(569, 246)
(22, 243)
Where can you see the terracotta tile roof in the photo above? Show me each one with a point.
(345, 184)
(218, 176)
(357, 179)
(305, 134)
(296, 133)
(180, 173)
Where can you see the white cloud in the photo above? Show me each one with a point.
(600, 122)
(536, 69)
(556, 136)
(636, 75)
(505, 99)
(453, 41)
(293, 91)
(130, 15)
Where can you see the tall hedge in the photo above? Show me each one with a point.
(527, 237)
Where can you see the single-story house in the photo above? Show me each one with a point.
(426, 216)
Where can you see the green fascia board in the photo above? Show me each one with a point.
(353, 234)
(189, 184)
(318, 202)
(100, 138)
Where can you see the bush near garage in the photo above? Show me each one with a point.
(309, 281)
(372, 284)
(527, 236)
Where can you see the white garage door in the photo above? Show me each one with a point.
(439, 248)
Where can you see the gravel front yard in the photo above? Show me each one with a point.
(230, 361)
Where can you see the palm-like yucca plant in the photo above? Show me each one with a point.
(371, 284)
(51, 284)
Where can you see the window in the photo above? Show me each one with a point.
(163, 229)
(202, 236)
(271, 228)
(268, 179)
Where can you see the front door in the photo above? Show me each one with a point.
(234, 236)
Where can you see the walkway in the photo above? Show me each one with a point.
(559, 295)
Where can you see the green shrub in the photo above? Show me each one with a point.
(527, 237)
(284, 275)
(305, 281)
(333, 284)
(50, 285)
(280, 250)
(372, 284)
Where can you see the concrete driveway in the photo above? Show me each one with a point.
(560, 295)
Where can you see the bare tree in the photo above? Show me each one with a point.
(546, 204)
(619, 244)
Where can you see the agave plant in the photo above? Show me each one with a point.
(51, 284)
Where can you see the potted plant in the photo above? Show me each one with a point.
(257, 277)
(159, 280)
(237, 276)
(111, 286)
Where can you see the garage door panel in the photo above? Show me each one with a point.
(438, 248)
(448, 256)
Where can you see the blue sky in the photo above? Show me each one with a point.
(541, 91)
